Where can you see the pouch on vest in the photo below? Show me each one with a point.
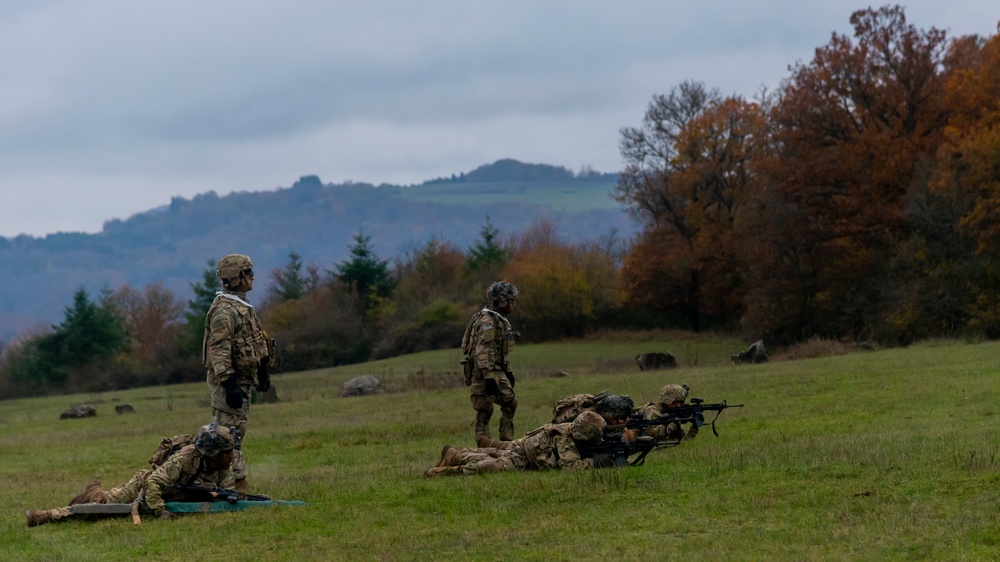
(468, 366)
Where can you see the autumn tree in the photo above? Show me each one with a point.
(152, 320)
(688, 175)
(857, 128)
(566, 290)
(431, 300)
(966, 186)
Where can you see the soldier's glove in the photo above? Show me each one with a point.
(604, 461)
(234, 394)
(165, 515)
(510, 377)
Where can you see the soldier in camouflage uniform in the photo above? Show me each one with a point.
(487, 343)
(550, 447)
(671, 396)
(235, 353)
(613, 408)
(205, 463)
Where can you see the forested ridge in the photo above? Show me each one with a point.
(855, 202)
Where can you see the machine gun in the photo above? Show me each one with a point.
(220, 494)
(639, 436)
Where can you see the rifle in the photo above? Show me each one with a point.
(221, 494)
(619, 449)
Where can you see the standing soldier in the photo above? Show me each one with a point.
(487, 343)
(237, 354)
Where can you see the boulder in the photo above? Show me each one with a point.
(753, 354)
(78, 411)
(124, 409)
(364, 385)
(655, 361)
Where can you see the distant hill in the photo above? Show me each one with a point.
(172, 244)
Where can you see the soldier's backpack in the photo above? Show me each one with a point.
(169, 446)
(468, 363)
(567, 409)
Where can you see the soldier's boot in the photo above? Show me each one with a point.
(242, 486)
(482, 422)
(435, 471)
(38, 517)
(452, 458)
(485, 442)
(445, 452)
(506, 428)
(91, 494)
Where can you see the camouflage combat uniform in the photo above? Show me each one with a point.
(234, 346)
(155, 487)
(612, 407)
(669, 432)
(488, 340)
(550, 447)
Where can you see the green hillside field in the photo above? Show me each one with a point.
(570, 196)
(878, 455)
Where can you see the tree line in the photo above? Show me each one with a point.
(363, 308)
(856, 203)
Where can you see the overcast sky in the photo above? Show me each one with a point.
(112, 107)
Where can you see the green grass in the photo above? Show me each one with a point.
(888, 455)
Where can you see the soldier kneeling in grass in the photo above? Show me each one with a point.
(204, 463)
(550, 447)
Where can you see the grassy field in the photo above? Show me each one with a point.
(884, 455)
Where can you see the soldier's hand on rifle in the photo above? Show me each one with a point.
(510, 377)
(234, 394)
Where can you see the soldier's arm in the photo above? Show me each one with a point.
(569, 456)
(160, 482)
(221, 328)
(486, 353)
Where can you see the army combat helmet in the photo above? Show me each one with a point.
(500, 293)
(673, 393)
(232, 267)
(613, 407)
(589, 426)
(214, 439)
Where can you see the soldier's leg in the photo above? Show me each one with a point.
(490, 464)
(483, 405)
(232, 418)
(508, 405)
(38, 517)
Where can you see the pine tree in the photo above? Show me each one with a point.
(365, 272)
(488, 253)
